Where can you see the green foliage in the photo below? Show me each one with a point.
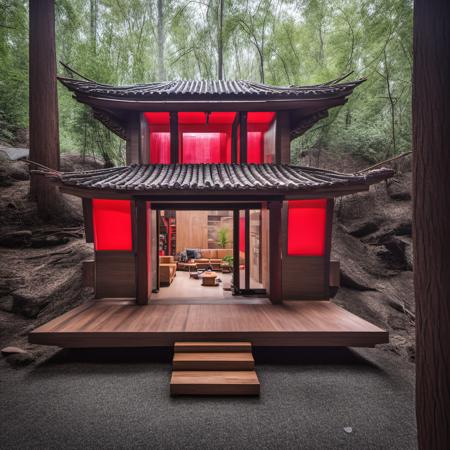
(228, 259)
(13, 67)
(276, 42)
(223, 239)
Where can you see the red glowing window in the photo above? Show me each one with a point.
(159, 128)
(160, 147)
(255, 146)
(112, 224)
(157, 118)
(259, 121)
(201, 148)
(306, 227)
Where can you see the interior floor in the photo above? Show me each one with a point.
(185, 289)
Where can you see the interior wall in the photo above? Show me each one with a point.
(192, 230)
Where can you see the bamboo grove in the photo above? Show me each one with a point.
(279, 42)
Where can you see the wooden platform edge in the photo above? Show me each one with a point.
(168, 339)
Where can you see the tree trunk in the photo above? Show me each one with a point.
(44, 138)
(431, 175)
(93, 25)
(220, 42)
(161, 40)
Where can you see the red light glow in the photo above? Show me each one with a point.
(306, 227)
(112, 224)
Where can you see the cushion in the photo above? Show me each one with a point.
(209, 253)
(191, 252)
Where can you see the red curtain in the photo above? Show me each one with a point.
(112, 224)
(255, 146)
(160, 147)
(306, 227)
(202, 148)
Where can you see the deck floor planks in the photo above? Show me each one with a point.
(126, 324)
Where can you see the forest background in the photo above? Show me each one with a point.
(280, 42)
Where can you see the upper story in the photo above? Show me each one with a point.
(194, 122)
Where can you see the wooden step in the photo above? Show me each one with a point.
(212, 347)
(213, 361)
(244, 382)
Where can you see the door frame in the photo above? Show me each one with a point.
(236, 207)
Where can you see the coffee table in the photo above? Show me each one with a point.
(209, 278)
(191, 266)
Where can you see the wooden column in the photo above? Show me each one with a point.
(243, 135)
(43, 103)
(236, 280)
(328, 236)
(144, 140)
(275, 265)
(174, 138)
(247, 249)
(141, 251)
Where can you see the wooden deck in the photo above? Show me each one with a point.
(124, 324)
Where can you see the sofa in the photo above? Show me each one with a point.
(167, 270)
(209, 257)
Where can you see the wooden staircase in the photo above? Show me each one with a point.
(213, 368)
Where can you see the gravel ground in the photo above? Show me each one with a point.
(310, 399)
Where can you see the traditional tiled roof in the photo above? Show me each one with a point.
(211, 89)
(232, 178)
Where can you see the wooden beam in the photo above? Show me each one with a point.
(247, 248)
(243, 136)
(203, 206)
(88, 219)
(236, 281)
(141, 253)
(174, 138)
(275, 267)
(43, 104)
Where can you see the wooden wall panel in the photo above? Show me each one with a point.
(192, 229)
(283, 138)
(304, 278)
(88, 273)
(114, 274)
